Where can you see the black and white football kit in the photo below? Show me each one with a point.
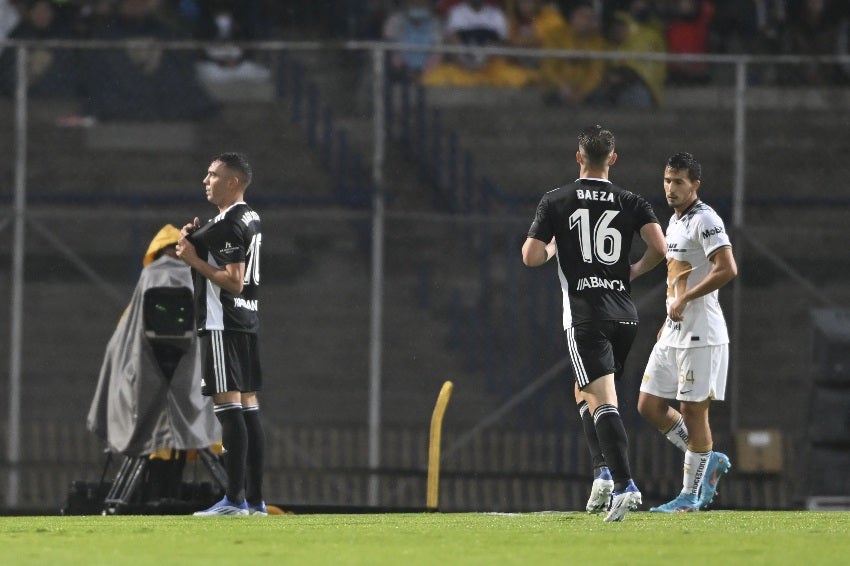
(593, 222)
(227, 323)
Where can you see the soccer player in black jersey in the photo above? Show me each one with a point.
(588, 226)
(224, 255)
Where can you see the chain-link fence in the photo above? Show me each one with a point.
(373, 298)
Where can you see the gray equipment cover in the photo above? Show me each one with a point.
(135, 409)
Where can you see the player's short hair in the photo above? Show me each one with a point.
(596, 143)
(238, 163)
(684, 161)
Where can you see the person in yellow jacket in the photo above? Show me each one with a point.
(535, 24)
(572, 80)
(481, 24)
(632, 82)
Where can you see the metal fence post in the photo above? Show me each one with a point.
(13, 450)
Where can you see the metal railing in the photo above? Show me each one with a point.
(465, 194)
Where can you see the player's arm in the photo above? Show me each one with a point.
(536, 252)
(190, 227)
(723, 270)
(656, 249)
(230, 278)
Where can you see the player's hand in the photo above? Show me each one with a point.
(676, 309)
(190, 227)
(186, 250)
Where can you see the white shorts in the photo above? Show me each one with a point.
(687, 374)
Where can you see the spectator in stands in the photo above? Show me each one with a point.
(142, 82)
(477, 23)
(634, 83)
(353, 19)
(815, 27)
(751, 27)
(51, 72)
(747, 26)
(92, 15)
(572, 81)
(250, 17)
(9, 18)
(414, 23)
(535, 24)
(227, 61)
(688, 24)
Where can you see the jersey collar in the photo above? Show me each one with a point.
(690, 208)
(221, 215)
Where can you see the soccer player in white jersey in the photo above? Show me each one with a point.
(588, 226)
(689, 361)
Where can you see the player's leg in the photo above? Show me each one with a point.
(695, 414)
(716, 360)
(252, 382)
(660, 380)
(234, 438)
(601, 398)
(592, 355)
(622, 335)
(694, 389)
(603, 483)
(220, 370)
(660, 383)
(255, 458)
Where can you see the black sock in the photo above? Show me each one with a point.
(596, 457)
(235, 440)
(256, 454)
(614, 443)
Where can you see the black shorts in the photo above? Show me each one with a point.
(230, 361)
(599, 348)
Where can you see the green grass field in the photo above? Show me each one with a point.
(717, 537)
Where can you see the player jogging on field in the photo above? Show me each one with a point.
(224, 255)
(589, 225)
(690, 359)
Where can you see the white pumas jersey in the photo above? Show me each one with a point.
(691, 240)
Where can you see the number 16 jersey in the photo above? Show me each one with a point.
(234, 236)
(593, 222)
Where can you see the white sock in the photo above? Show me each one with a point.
(695, 463)
(678, 435)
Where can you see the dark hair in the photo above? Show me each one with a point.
(238, 163)
(685, 161)
(597, 143)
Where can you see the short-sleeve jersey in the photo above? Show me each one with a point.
(593, 222)
(234, 236)
(691, 240)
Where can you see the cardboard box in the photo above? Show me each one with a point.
(759, 451)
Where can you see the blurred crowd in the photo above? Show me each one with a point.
(757, 27)
(168, 83)
(142, 82)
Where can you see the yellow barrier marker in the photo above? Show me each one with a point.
(433, 497)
